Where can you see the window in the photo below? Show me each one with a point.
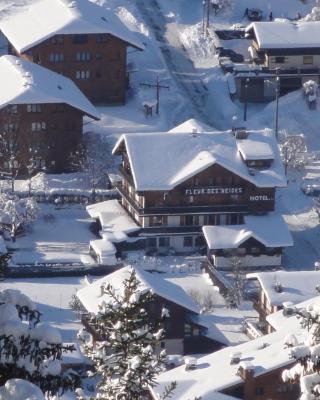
(80, 39)
(188, 241)
(57, 39)
(10, 127)
(187, 330)
(188, 219)
(83, 56)
(164, 241)
(151, 242)
(12, 108)
(38, 126)
(83, 75)
(33, 108)
(279, 60)
(58, 108)
(56, 57)
(259, 391)
(99, 56)
(101, 38)
(157, 220)
(255, 250)
(163, 345)
(241, 251)
(307, 60)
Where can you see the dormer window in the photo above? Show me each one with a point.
(259, 163)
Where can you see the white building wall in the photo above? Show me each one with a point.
(249, 261)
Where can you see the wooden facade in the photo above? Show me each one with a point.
(41, 134)
(95, 62)
(174, 219)
(268, 385)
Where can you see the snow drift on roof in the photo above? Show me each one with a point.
(286, 35)
(37, 20)
(170, 159)
(192, 125)
(270, 230)
(253, 150)
(91, 298)
(23, 82)
(297, 286)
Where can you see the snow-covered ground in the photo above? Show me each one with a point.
(60, 234)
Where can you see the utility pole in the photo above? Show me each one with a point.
(277, 105)
(158, 88)
(245, 99)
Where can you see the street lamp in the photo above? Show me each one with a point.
(234, 122)
(245, 99)
(203, 15)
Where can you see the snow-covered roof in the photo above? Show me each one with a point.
(23, 82)
(34, 21)
(90, 296)
(253, 150)
(161, 161)
(286, 34)
(105, 250)
(192, 125)
(297, 286)
(270, 230)
(214, 372)
(113, 218)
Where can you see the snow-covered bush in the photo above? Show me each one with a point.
(19, 389)
(15, 212)
(127, 354)
(307, 355)
(314, 15)
(28, 349)
(294, 151)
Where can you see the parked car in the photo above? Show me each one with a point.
(311, 190)
(234, 57)
(228, 34)
(254, 14)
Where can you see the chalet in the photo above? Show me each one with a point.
(76, 38)
(41, 117)
(279, 289)
(174, 184)
(184, 335)
(288, 49)
(257, 243)
(251, 370)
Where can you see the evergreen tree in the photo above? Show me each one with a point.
(127, 354)
(29, 350)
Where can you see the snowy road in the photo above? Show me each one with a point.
(182, 70)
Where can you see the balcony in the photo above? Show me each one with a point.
(126, 174)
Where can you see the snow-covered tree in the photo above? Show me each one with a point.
(93, 157)
(30, 350)
(236, 291)
(294, 151)
(19, 389)
(307, 354)
(127, 353)
(15, 212)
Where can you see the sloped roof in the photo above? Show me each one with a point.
(214, 372)
(270, 230)
(286, 34)
(161, 161)
(91, 299)
(297, 286)
(23, 82)
(32, 21)
(192, 125)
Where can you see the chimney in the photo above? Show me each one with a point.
(246, 371)
(194, 132)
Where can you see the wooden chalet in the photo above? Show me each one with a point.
(41, 117)
(288, 49)
(279, 290)
(176, 183)
(184, 333)
(76, 38)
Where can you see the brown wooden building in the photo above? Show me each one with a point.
(176, 183)
(41, 117)
(79, 39)
(184, 334)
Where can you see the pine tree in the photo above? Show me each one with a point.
(29, 350)
(127, 355)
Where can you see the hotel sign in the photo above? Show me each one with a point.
(214, 190)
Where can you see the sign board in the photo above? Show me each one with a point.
(213, 190)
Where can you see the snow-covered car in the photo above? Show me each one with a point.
(254, 14)
(234, 57)
(311, 189)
